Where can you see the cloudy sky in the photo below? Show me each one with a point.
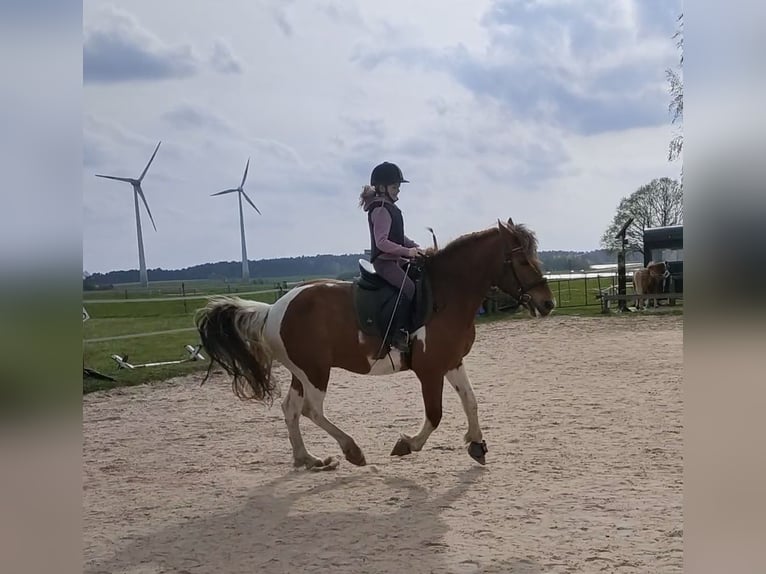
(547, 112)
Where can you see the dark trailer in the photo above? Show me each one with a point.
(667, 244)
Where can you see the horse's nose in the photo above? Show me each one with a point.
(549, 305)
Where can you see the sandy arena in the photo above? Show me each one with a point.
(582, 417)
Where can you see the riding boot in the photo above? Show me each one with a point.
(400, 340)
(401, 328)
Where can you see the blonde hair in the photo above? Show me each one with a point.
(368, 192)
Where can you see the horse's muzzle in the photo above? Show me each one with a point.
(544, 309)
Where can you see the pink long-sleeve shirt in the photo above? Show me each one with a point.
(381, 225)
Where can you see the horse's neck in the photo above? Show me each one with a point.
(461, 277)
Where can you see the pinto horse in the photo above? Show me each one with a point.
(315, 327)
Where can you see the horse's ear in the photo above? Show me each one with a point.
(510, 222)
(505, 229)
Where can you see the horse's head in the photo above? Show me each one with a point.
(521, 274)
(659, 269)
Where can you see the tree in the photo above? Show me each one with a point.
(676, 89)
(656, 204)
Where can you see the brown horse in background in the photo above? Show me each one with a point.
(648, 281)
(315, 327)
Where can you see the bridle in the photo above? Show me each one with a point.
(522, 295)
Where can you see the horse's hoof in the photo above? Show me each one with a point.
(330, 463)
(477, 450)
(308, 462)
(401, 448)
(355, 456)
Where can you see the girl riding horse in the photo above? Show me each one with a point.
(390, 246)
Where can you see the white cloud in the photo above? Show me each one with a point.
(223, 59)
(117, 48)
(314, 122)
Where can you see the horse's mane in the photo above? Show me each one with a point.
(460, 242)
(525, 236)
(655, 266)
(528, 241)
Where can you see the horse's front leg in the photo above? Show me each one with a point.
(431, 385)
(476, 446)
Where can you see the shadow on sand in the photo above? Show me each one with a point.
(400, 529)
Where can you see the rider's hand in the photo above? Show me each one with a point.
(414, 252)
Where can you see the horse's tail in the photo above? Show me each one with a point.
(231, 330)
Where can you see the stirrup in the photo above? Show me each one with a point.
(401, 341)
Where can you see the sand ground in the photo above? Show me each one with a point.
(582, 417)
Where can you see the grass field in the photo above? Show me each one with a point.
(190, 288)
(130, 317)
(135, 326)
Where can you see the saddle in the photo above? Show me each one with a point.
(375, 301)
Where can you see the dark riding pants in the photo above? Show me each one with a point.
(395, 274)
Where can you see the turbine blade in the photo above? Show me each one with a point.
(244, 177)
(251, 203)
(128, 179)
(143, 173)
(224, 191)
(149, 211)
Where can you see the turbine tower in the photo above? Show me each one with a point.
(240, 193)
(137, 191)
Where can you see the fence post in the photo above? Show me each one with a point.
(586, 289)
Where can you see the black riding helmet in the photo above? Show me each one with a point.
(387, 173)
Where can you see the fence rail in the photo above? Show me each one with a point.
(583, 290)
(576, 290)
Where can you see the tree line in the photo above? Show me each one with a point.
(334, 266)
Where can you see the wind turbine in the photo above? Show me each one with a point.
(137, 191)
(240, 193)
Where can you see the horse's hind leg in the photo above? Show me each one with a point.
(458, 378)
(292, 406)
(313, 407)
